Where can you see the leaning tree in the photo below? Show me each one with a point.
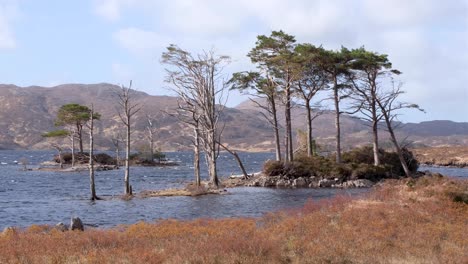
(266, 92)
(274, 55)
(311, 80)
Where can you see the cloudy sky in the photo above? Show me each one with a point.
(51, 42)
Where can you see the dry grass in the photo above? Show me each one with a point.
(443, 156)
(404, 221)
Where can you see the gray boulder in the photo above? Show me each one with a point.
(299, 182)
(282, 183)
(76, 224)
(61, 227)
(326, 183)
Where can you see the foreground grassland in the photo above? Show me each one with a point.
(401, 221)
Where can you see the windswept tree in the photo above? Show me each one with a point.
(336, 65)
(201, 81)
(264, 88)
(387, 101)
(151, 130)
(128, 108)
(57, 134)
(74, 116)
(274, 55)
(368, 68)
(117, 138)
(311, 80)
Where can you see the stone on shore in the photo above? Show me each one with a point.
(61, 227)
(76, 224)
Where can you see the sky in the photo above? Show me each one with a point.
(52, 42)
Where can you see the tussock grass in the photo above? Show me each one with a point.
(401, 221)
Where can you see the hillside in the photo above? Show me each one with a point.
(27, 112)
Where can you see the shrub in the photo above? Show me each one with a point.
(365, 155)
(67, 158)
(273, 168)
(295, 170)
(104, 158)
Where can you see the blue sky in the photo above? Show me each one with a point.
(51, 42)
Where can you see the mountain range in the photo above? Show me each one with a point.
(28, 112)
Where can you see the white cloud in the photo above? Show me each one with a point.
(8, 12)
(141, 42)
(426, 39)
(111, 9)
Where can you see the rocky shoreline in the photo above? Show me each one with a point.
(261, 180)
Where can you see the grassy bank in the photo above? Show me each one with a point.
(401, 221)
(443, 156)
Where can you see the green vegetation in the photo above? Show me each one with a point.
(75, 116)
(356, 164)
(144, 158)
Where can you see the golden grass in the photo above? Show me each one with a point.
(443, 156)
(401, 221)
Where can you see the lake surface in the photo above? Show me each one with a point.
(42, 197)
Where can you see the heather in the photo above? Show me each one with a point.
(400, 221)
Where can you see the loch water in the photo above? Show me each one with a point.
(45, 197)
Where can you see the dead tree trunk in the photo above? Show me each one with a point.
(91, 155)
(239, 161)
(128, 110)
(196, 156)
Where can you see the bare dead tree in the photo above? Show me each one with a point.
(238, 160)
(127, 109)
(151, 131)
(59, 151)
(91, 154)
(388, 104)
(200, 80)
(116, 139)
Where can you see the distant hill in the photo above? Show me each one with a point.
(27, 112)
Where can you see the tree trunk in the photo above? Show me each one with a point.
(375, 121)
(397, 146)
(236, 156)
(73, 148)
(337, 120)
(310, 151)
(60, 157)
(117, 157)
(288, 134)
(91, 157)
(276, 129)
(79, 131)
(151, 150)
(128, 190)
(196, 157)
(375, 143)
